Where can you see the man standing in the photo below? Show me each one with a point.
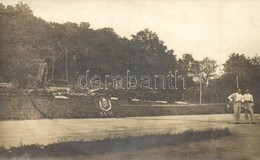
(237, 99)
(248, 103)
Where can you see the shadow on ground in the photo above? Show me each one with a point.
(128, 143)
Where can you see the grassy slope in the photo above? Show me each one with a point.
(26, 107)
(17, 107)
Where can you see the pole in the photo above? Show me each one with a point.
(52, 72)
(67, 73)
(54, 60)
(237, 82)
(200, 91)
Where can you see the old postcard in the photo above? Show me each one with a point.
(137, 79)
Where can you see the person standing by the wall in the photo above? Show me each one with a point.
(249, 103)
(237, 99)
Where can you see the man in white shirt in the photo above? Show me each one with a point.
(237, 99)
(249, 103)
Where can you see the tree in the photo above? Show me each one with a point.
(237, 64)
(19, 43)
(246, 69)
(255, 60)
(189, 66)
(207, 69)
(149, 55)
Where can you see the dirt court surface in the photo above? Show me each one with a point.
(46, 131)
(243, 144)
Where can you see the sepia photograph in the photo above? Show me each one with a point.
(129, 80)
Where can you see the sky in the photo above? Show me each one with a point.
(204, 28)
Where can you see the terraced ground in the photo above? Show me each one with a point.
(17, 108)
(75, 107)
(21, 107)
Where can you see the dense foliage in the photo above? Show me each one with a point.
(24, 39)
